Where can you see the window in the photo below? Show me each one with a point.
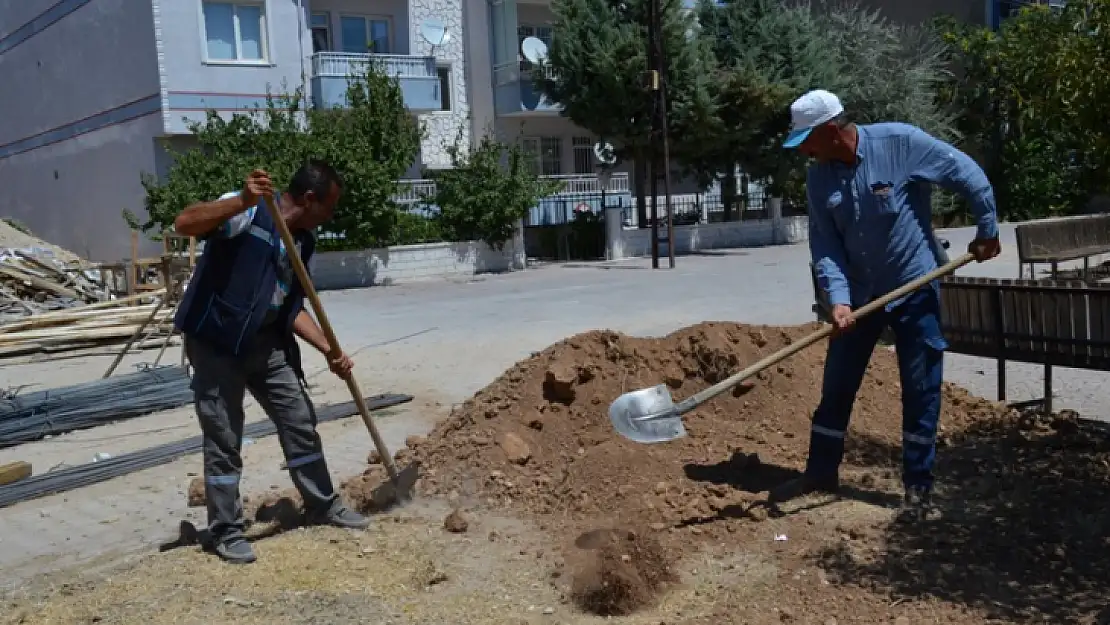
(583, 155)
(545, 154)
(235, 31)
(321, 32)
(444, 73)
(364, 34)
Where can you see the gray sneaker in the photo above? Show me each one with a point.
(340, 516)
(235, 550)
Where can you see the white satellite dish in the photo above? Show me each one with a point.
(434, 31)
(534, 49)
(603, 151)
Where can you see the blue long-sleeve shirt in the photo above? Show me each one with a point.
(870, 228)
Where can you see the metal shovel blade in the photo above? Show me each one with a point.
(642, 416)
(394, 493)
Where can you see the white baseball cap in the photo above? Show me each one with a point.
(810, 111)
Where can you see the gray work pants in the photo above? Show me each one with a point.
(219, 382)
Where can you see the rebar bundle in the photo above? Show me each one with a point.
(29, 417)
(71, 478)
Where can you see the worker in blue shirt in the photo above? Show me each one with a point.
(240, 314)
(870, 233)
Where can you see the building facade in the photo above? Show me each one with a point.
(103, 82)
(95, 86)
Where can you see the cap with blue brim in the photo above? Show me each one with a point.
(810, 111)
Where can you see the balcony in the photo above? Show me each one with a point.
(515, 93)
(417, 76)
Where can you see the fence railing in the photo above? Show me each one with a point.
(512, 71)
(581, 192)
(343, 64)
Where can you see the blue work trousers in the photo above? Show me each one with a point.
(920, 347)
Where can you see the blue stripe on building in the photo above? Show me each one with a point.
(39, 23)
(139, 108)
(179, 101)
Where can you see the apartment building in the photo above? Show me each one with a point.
(92, 86)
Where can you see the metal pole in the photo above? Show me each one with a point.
(661, 105)
(653, 154)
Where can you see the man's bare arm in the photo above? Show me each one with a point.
(305, 327)
(203, 217)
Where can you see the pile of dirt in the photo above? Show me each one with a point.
(539, 438)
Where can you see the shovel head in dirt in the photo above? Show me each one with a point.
(397, 490)
(647, 416)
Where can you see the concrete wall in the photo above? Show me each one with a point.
(443, 127)
(701, 237)
(478, 49)
(77, 125)
(408, 263)
(193, 84)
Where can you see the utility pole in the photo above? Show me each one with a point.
(661, 106)
(653, 89)
(657, 85)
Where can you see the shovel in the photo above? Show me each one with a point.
(650, 415)
(399, 487)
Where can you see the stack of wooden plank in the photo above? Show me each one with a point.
(91, 325)
(32, 283)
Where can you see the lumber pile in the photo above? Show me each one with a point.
(34, 280)
(91, 325)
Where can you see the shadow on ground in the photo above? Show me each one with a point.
(1025, 531)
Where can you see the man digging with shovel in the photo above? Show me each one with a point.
(239, 315)
(870, 233)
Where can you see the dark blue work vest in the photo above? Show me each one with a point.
(229, 295)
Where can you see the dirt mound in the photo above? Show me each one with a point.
(622, 571)
(539, 437)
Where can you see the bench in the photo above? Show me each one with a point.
(1053, 323)
(1058, 240)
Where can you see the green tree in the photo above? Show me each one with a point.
(598, 59)
(768, 52)
(372, 141)
(486, 192)
(1034, 103)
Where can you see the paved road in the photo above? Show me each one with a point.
(441, 342)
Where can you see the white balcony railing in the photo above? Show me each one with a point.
(505, 73)
(412, 192)
(341, 64)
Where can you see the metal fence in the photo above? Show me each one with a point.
(586, 193)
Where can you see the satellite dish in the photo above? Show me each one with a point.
(434, 31)
(534, 49)
(603, 151)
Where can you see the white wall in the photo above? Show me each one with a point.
(687, 239)
(409, 263)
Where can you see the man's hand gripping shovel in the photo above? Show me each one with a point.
(400, 485)
(650, 415)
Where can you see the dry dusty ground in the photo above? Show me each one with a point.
(408, 569)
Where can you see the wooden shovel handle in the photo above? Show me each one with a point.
(697, 399)
(325, 325)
